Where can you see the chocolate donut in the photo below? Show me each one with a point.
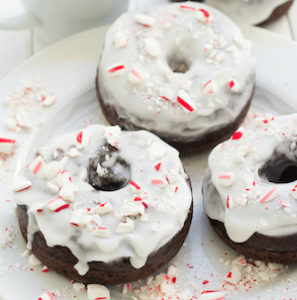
(250, 189)
(101, 205)
(181, 71)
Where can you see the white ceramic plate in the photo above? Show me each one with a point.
(69, 68)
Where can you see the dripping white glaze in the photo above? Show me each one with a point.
(250, 203)
(138, 79)
(156, 224)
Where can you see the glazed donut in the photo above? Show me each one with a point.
(250, 190)
(253, 12)
(184, 72)
(104, 206)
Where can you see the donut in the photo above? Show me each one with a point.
(101, 205)
(181, 71)
(250, 189)
(253, 12)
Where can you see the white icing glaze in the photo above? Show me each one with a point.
(105, 225)
(137, 81)
(247, 11)
(255, 204)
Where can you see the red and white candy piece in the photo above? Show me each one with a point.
(156, 151)
(116, 69)
(212, 295)
(67, 192)
(78, 286)
(20, 184)
(112, 134)
(7, 146)
(166, 93)
(37, 207)
(83, 218)
(209, 88)
(125, 227)
(243, 199)
(269, 196)
(36, 165)
(127, 287)
(234, 276)
(23, 119)
(100, 232)
(226, 179)
(57, 204)
(136, 76)
(98, 292)
(46, 296)
(103, 208)
(48, 100)
(51, 170)
(131, 209)
(135, 187)
(52, 188)
(63, 178)
(234, 85)
(294, 192)
(144, 20)
(120, 39)
(203, 16)
(160, 182)
(172, 176)
(82, 139)
(229, 202)
(184, 99)
(152, 47)
(73, 152)
(187, 8)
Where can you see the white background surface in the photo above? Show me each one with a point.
(17, 46)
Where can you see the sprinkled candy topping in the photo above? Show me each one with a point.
(185, 101)
(98, 292)
(7, 146)
(57, 204)
(20, 184)
(120, 39)
(237, 135)
(152, 47)
(144, 20)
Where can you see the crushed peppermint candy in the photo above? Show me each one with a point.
(100, 232)
(57, 204)
(7, 146)
(46, 296)
(112, 134)
(184, 99)
(30, 98)
(20, 184)
(226, 179)
(245, 273)
(103, 208)
(234, 85)
(152, 47)
(36, 165)
(7, 237)
(144, 20)
(120, 39)
(126, 227)
(97, 291)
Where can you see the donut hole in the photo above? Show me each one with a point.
(178, 63)
(280, 169)
(113, 172)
